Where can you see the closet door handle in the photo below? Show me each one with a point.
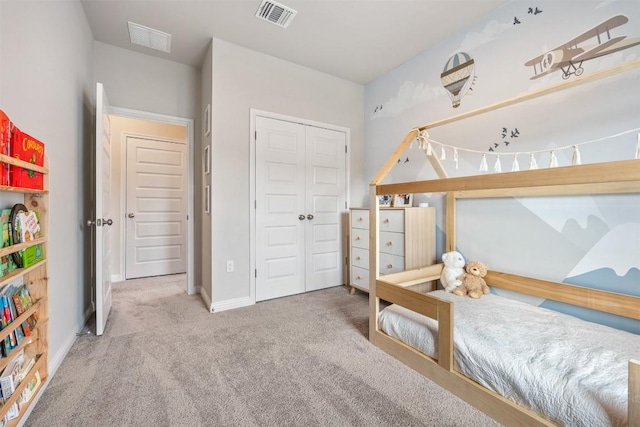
(301, 217)
(309, 217)
(131, 215)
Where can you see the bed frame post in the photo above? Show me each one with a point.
(450, 222)
(374, 301)
(634, 393)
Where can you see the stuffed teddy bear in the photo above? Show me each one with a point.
(473, 283)
(453, 268)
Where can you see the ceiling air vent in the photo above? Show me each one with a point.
(148, 37)
(276, 13)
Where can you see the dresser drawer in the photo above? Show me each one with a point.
(360, 257)
(360, 277)
(360, 238)
(392, 243)
(391, 263)
(360, 218)
(392, 220)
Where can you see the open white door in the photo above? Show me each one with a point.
(102, 220)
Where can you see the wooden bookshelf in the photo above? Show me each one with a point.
(36, 278)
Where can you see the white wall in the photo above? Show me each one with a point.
(244, 79)
(145, 83)
(204, 180)
(47, 90)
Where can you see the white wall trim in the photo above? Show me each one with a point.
(126, 112)
(231, 304)
(253, 113)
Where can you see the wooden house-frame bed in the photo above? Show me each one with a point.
(602, 178)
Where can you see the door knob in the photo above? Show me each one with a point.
(131, 215)
(107, 221)
(301, 217)
(309, 217)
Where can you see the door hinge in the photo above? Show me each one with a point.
(255, 273)
(255, 204)
(345, 148)
(255, 135)
(345, 205)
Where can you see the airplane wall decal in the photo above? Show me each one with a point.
(569, 56)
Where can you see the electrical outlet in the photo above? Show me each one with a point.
(229, 266)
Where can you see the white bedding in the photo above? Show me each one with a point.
(571, 371)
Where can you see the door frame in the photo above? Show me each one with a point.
(144, 115)
(253, 113)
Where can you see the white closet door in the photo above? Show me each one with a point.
(280, 190)
(325, 200)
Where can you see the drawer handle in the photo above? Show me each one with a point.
(358, 278)
(389, 243)
(390, 266)
(358, 238)
(360, 219)
(357, 258)
(386, 221)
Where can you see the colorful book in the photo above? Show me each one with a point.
(27, 148)
(25, 297)
(17, 304)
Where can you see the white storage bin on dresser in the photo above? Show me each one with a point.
(407, 241)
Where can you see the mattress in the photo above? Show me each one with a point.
(568, 370)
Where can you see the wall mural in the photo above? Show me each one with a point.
(458, 76)
(569, 239)
(569, 56)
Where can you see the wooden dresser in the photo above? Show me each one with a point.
(407, 241)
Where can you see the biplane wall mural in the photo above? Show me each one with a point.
(520, 47)
(591, 44)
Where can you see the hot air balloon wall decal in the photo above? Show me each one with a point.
(457, 76)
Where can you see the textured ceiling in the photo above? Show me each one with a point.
(355, 40)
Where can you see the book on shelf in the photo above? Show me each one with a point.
(25, 147)
(7, 265)
(14, 301)
(6, 128)
(8, 382)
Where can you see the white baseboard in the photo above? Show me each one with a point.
(231, 304)
(115, 278)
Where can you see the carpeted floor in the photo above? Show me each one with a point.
(304, 360)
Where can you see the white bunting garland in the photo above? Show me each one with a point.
(515, 167)
(497, 167)
(483, 163)
(425, 144)
(575, 159)
(455, 156)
